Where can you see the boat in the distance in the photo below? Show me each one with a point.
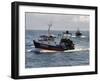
(48, 42)
(78, 33)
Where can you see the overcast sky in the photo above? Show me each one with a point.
(40, 21)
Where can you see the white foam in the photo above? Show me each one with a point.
(29, 50)
(83, 36)
(73, 36)
(48, 51)
(80, 36)
(74, 50)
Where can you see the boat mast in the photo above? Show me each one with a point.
(49, 34)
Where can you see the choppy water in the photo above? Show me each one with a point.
(55, 59)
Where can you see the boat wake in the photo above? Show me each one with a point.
(75, 50)
(80, 36)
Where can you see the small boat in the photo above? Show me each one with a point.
(78, 33)
(48, 42)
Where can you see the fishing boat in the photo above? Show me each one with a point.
(48, 42)
(78, 33)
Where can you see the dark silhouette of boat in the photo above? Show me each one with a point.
(64, 45)
(48, 42)
(78, 33)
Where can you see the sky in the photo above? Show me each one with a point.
(40, 21)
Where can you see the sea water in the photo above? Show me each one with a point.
(35, 59)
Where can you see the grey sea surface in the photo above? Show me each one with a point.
(56, 59)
